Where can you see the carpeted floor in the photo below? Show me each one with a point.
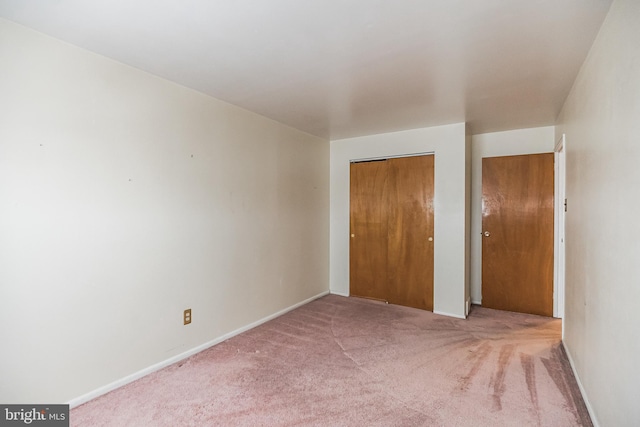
(352, 362)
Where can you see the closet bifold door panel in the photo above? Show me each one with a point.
(368, 243)
(391, 250)
(410, 231)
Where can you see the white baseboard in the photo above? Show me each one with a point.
(342, 294)
(442, 313)
(146, 371)
(474, 302)
(592, 414)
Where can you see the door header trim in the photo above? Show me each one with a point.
(382, 158)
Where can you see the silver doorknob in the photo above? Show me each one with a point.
(430, 239)
(487, 234)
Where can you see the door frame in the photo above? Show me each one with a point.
(559, 224)
(370, 159)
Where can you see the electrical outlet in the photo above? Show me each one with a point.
(187, 316)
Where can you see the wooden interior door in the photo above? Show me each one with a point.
(392, 220)
(368, 242)
(517, 242)
(410, 231)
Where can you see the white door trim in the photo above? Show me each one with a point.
(559, 252)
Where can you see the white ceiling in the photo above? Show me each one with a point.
(341, 68)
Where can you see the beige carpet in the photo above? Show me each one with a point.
(352, 362)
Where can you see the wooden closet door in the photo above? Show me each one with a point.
(368, 242)
(517, 242)
(410, 236)
(391, 243)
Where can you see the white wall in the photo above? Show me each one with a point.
(601, 120)
(509, 143)
(448, 144)
(125, 199)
